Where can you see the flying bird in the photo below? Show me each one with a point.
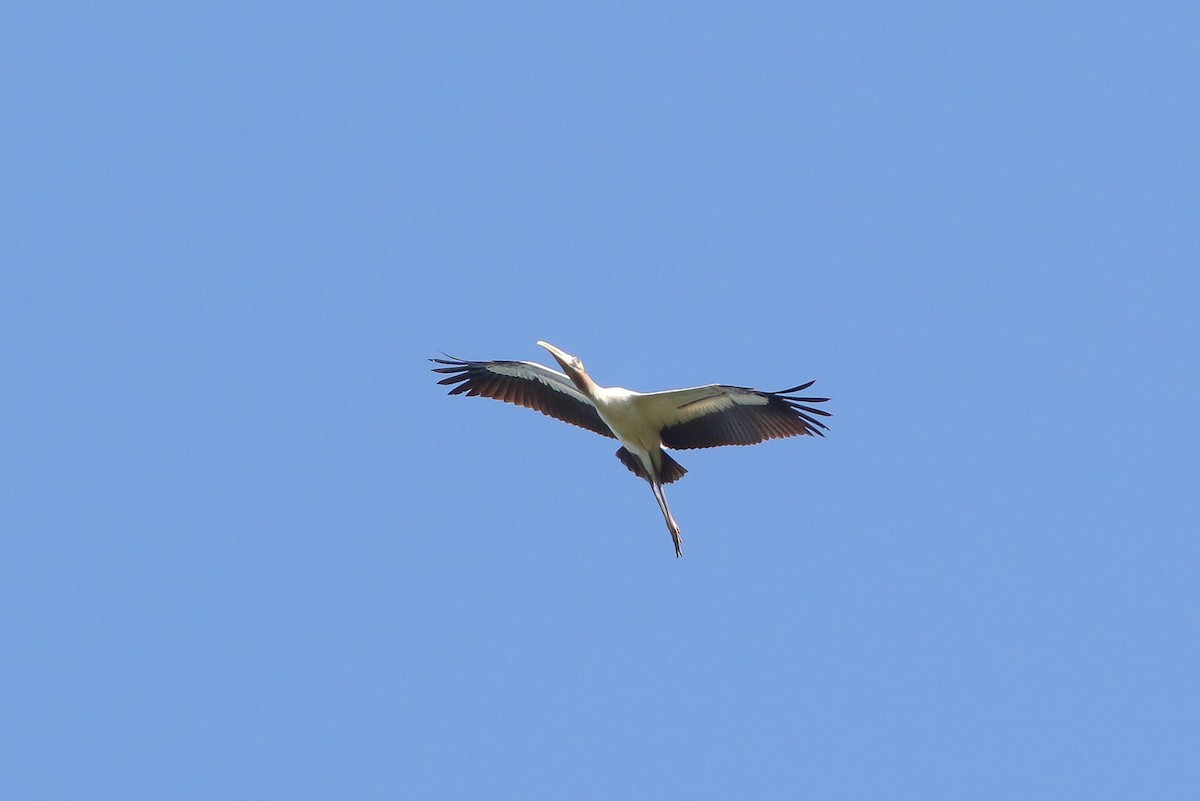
(644, 423)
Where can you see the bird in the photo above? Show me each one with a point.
(643, 422)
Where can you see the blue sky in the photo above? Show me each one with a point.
(251, 550)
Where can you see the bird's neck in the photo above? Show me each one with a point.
(586, 385)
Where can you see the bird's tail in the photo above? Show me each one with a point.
(671, 470)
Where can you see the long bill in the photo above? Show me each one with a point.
(573, 368)
(672, 526)
(560, 355)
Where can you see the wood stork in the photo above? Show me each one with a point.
(644, 423)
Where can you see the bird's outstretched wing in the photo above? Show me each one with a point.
(717, 414)
(527, 384)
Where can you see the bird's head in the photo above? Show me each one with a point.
(571, 365)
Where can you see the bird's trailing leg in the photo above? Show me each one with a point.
(672, 526)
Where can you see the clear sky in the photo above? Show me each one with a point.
(251, 550)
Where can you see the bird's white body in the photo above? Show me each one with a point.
(623, 414)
